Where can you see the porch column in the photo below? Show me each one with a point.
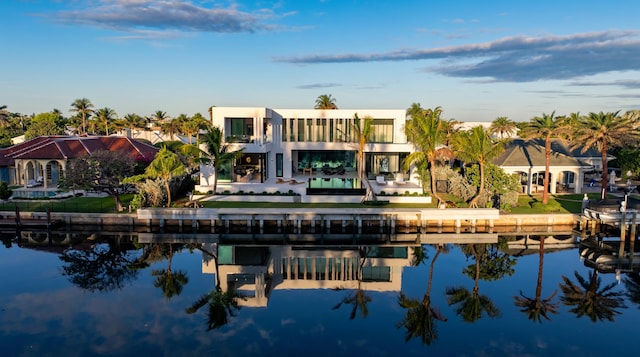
(44, 175)
(579, 181)
(529, 181)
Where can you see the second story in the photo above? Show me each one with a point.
(255, 126)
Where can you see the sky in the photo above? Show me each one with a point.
(477, 60)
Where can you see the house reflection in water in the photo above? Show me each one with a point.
(255, 271)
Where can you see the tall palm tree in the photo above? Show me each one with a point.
(133, 121)
(470, 304)
(546, 127)
(420, 318)
(172, 127)
(165, 165)
(604, 131)
(502, 126)
(632, 283)
(82, 107)
(361, 130)
(325, 101)
(159, 116)
(537, 308)
(476, 145)
(217, 153)
(587, 299)
(427, 132)
(105, 115)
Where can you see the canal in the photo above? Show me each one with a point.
(109, 292)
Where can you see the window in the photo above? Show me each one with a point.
(382, 131)
(279, 165)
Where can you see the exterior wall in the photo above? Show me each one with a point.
(268, 128)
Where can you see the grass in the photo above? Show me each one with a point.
(76, 204)
(571, 203)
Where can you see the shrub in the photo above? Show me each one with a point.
(551, 206)
(5, 191)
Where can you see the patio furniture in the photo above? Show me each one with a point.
(400, 180)
(307, 169)
(381, 181)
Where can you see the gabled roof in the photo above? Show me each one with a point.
(529, 153)
(70, 147)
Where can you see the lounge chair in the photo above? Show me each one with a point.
(380, 180)
(400, 180)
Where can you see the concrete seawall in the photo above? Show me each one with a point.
(464, 218)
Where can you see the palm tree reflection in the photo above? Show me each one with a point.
(470, 304)
(420, 319)
(221, 304)
(358, 298)
(537, 308)
(589, 300)
(171, 282)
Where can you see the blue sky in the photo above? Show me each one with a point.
(478, 60)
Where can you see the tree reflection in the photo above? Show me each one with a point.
(470, 305)
(632, 283)
(100, 267)
(420, 318)
(589, 300)
(168, 281)
(537, 308)
(222, 305)
(358, 298)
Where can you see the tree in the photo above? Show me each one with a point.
(83, 108)
(133, 121)
(587, 299)
(172, 127)
(537, 308)
(108, 169)
(4, 116)
(358, 298)
(427, 132)
(105, 115)
(165, 166)
(420, 318)
(217, 153)
(325, 101)
(360, 134)
(546, 127)
(471, 305)
(45, 124)
(502, 126)
(171, 282)
(604, 131)
(476, 145)
(77, 175)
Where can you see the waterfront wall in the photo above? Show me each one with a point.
(450, 217)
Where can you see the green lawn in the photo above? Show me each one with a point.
(564, 203)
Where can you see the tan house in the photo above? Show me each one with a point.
(42, 161)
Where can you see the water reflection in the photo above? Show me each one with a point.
(394, 295)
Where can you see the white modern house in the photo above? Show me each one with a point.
(299, 144)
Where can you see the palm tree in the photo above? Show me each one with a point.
(361, 130)
(547, 127)
(217, 152)
(133, 121)
(471, 305)
(105, 115)
(427, 132)
(165, 165)
(604, 131)
(159, 116)
(420, 319)
(503, 126)
(172, 127)
(588, 300)
(537, 307)
(171, 282)
(632, 283)
(325, 101)
(476, 145)
(82, 107)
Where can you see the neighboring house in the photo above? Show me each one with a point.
(42, 161)
(527, 159)
(287, 142)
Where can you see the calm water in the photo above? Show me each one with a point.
(90, 294)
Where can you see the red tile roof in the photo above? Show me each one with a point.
(70, 147)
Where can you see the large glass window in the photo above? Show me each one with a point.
(279, 165)
(382, 131)
(241, 130)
